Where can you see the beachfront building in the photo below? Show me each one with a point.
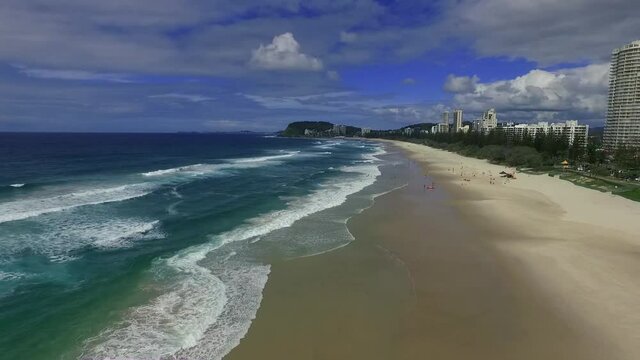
(365, 131)
(407, 131)
(488, 122)
(623, 115)
(440, 128)
(457, 120)
(339, 130)
(575, 133)
(445, 118)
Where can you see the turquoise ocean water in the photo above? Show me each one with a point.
(150, 246)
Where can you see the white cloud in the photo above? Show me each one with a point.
(333, 75)
(196, 98)
(566, 92)
(545, 31)
(78, 75)
(460, 84)
(235, 125)
(319, 102)
(407, 114)
(284, 54)
(409, 81)
(347, 37)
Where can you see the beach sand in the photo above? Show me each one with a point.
(532, 268)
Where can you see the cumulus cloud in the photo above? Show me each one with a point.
(78, 75)
(461, 84)
(575, 92)
(284, 54)
(196, 98)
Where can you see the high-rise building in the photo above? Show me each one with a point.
(445, 118)
(490, 119)
(457, 120)
(623, 114)
(488, 122)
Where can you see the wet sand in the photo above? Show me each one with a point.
(424, 278)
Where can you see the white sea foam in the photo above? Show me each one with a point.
(124, 233)
(17, 185)
(172, 321)
(329, 144)
(230, 164)
(58, 237)
(244, 284)
(188, 169)
(203, 315)
(31, 207)
(174, 192)
(330, 194)
(265, 158)
(9, 275)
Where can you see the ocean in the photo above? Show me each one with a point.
(151, 246)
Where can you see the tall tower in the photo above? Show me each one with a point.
(445, 118)
(457, 120)
(489, 119)
(623, 114)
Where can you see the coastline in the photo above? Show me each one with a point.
(469, 270)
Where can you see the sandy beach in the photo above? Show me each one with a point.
(478, 268)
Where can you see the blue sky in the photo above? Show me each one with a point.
(195, 65)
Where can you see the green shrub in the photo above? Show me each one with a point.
(493, 153)
(524, 156)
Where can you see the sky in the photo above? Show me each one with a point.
(195, 65)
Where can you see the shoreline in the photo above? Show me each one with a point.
(454, 286)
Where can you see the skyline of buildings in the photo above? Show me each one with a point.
(622, 126)
(575, 132)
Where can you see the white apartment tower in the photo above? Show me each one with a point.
(457, 120)
(488, 122)
(490, 119)
(623, 114)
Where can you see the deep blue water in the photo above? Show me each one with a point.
(150, 245)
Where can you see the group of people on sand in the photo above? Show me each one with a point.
(507, 174)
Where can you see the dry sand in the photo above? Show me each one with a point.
(580, 247)
(532, 268)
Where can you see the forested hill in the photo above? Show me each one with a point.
(297, 128)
